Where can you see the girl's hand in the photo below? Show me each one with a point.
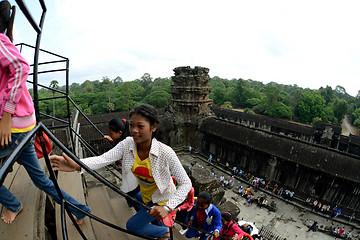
(63, 163)
(108, 139)
(5, 130)
(158, 212)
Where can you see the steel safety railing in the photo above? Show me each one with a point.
(40, 129)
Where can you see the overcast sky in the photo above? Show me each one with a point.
(307, 43)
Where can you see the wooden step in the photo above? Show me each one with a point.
(110, 206)
(72, 184)
(30, 223)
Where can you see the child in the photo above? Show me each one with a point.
(118, 130)
(205, 216)
(147, 163)
(230, 229)
(18, 118)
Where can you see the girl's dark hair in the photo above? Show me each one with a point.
(227, 216)
(117, 125)
(206, 196)
(7, 19)
(147, 111)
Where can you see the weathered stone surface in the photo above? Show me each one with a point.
(229, 207)
(203, 181)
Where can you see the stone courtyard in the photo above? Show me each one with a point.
(290, 221)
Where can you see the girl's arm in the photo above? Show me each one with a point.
(66, 164)
(18, 68)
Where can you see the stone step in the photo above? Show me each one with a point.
(30, 223)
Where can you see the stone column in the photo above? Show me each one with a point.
(270, 171)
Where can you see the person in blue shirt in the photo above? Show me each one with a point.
(205, 217)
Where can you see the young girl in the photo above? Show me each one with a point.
(230, 229)
(18, 118)
(118, 130)
(147, 163)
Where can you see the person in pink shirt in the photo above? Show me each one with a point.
(341, 231)
(230, 229)
(17, 118)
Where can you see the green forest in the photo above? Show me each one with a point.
(276, 100)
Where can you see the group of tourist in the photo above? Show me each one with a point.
(225, 183)
(326, 209)
(339, 232)
(258, 182)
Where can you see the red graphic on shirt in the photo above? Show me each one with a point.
(143, 172)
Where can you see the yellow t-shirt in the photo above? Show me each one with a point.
(142, 171)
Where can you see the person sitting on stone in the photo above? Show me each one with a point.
(241, 189)
(222, 178)
(247, 228)
(226, 183)
(205, 217)
(323, 208)
(230, 229)
(247, 191)
(264, 203)
(313, 227)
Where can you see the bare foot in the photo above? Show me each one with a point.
(79, 221)
(165, 237)
(9, 216)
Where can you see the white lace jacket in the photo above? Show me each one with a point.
(164, 164)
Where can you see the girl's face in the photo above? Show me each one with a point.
(140, 129)
(223, 221)
(115, 135)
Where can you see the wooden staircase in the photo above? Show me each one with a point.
(30, 223)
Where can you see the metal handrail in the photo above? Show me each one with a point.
(40, 128)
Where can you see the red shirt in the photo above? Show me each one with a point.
(200, 216)
(231, 229)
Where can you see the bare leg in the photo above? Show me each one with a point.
(9, 216)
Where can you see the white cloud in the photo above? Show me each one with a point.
(308, 43)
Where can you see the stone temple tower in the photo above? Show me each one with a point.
(189, 106)
(190, 93)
